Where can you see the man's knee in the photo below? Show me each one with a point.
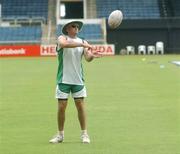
(79, 100)
(62, 105)
(79, 104)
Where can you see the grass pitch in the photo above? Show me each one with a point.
(132, 106)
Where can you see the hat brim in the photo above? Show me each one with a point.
(80, 24)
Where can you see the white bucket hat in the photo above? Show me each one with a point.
(72, 22)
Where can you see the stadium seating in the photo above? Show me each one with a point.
(24, 8)
(132, 9)
(176, 7)
(91, 32)
(23, 34)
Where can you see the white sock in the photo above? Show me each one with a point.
(84, 131)
(61, 132)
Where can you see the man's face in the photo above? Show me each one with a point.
(72, 28)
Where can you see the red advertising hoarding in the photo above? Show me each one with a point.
(46, 50)
(19, 50)
(104, 49)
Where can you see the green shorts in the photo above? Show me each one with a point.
(63, 91)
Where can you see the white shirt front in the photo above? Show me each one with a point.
(70, 66)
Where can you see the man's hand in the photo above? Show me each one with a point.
(87, 45)
(89, 55)
(97, 54)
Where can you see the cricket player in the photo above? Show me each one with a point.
(70, 79)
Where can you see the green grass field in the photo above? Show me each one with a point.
(132, 107)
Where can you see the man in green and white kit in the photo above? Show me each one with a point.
(70, 79)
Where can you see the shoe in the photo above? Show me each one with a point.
(85, 138)
(57, 139)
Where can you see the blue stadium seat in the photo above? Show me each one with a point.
(176, 7)
(21, 34)
(25, 8)
(132, 9)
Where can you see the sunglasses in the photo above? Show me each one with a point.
(74, 26)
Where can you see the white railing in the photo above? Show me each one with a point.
(49, 31)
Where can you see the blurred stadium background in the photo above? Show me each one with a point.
(133, 104)
(38, 23)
